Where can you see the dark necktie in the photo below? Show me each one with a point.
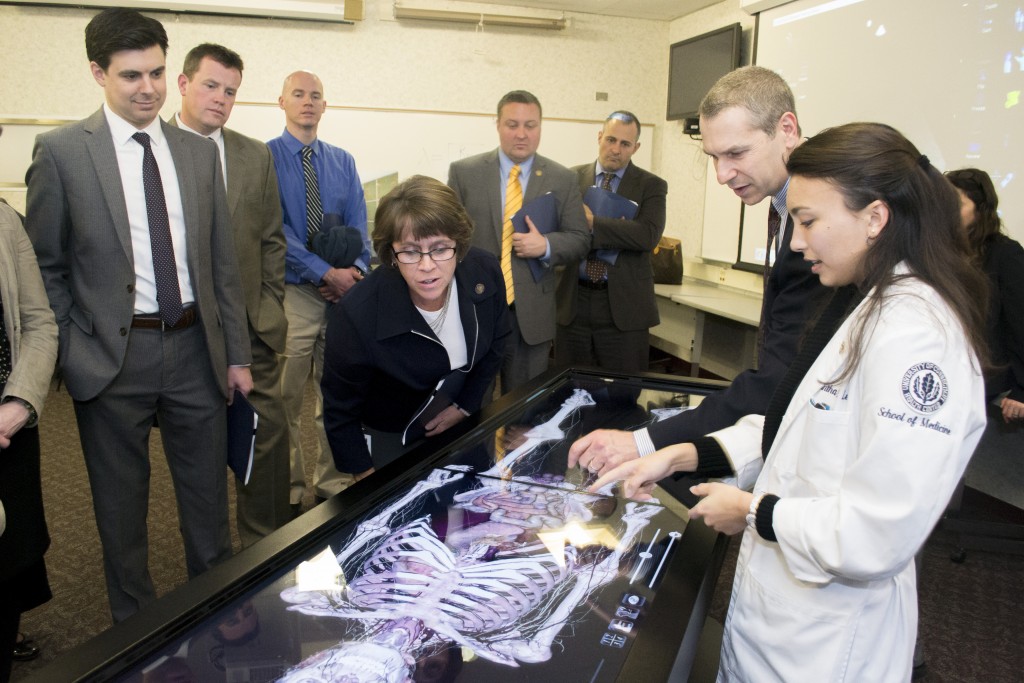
(774, 224)
(597, 270)
(314, 209)
(168, 295)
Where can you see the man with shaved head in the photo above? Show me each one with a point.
(319, 187)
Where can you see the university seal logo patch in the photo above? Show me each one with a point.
(924, 387)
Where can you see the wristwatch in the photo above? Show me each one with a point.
(752, 512)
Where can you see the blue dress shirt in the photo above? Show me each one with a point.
(341, 193)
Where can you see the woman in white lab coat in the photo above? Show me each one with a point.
(865, 439)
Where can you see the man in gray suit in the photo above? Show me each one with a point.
(208, 85)
(131, 229)
(606, 304)
(492, 186)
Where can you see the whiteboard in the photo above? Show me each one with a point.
(949, 74)
(386, 141)
(722, 210)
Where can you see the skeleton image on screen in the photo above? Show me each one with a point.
(483, 580)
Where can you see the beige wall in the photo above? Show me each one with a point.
(379, 62)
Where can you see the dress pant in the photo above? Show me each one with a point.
(262, 504)
(306, 311)
(522, 362)
(593, 340)
(166, 380)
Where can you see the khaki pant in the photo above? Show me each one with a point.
(304, 351)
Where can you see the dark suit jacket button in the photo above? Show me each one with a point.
(124, 331)
(131, 288)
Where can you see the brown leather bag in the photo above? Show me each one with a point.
(667, 262)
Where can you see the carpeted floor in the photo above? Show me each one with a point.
(972, 614)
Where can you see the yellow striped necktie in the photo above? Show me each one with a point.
(513, 202)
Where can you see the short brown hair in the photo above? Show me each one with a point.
(760, 91)
(118, 28)
(229, 59)
(427, 207)
(519, 97)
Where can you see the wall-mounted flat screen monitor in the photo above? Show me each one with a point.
(694, 66)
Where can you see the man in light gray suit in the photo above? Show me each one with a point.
(130, 225)
(491, 186)
(208, 85)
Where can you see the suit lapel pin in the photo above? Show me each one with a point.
(479, 289)
(538, 173)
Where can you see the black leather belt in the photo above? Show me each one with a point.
(594, 284)
(152, 321)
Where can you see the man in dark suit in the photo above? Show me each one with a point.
(606, 304)
(208, 85)
(131, 229)
(493, 186)
(749, 128)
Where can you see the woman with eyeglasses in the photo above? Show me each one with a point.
(412, 350)
(1002, 259)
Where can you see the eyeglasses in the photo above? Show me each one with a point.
(413, 257)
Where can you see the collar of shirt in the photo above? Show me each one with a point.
(122, 131)
(506, 164)
(599, 176)
(779, 202)
(294, 145)
(217, 136)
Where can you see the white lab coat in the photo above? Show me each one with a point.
(861, 485)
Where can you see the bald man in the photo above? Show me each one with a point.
(319, 186)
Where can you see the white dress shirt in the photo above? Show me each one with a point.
(129, 163)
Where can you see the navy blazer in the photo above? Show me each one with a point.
(792, 295)
(382, 360)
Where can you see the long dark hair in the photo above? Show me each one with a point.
(978, 187)
(873, 161)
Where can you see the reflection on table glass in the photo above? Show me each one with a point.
(493, 566)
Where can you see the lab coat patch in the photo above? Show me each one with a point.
(925, 388)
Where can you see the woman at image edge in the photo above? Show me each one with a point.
(865, 439)
(1002, 259)
(434, 306)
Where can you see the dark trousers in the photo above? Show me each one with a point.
(166, 379)
(522, 361)
(593, 339)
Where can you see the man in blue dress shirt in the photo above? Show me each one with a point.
(319, 185)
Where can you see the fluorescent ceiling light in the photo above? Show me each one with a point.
(332, 11)
(458, 13)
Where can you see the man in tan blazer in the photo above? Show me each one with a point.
(130, 224)
(209, 82)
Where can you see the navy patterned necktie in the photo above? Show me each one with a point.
(314, 209)
(168, 294)
(597, 269)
